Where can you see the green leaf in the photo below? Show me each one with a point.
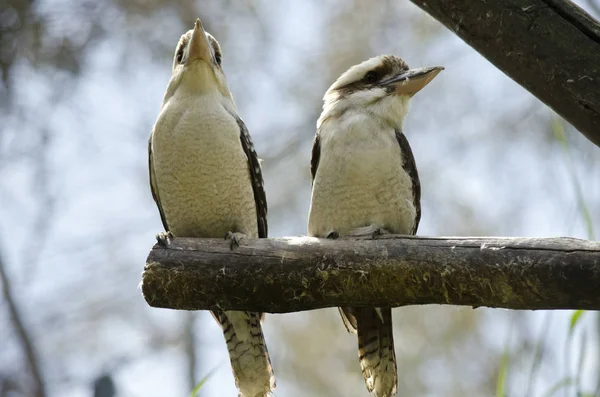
(574, 320)
(564, 382)
(559, 131)
(199, 385)
(501, 384)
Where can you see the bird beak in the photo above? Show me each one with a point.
(412, 81)
(199, 48)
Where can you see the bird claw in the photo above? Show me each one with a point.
(379, 313)
(333, 235)
(234, 238)
(368, 231)
(379, 232)
(164, 239)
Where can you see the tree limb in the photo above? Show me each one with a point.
(300, 273)
(23, 335)
(550, 47)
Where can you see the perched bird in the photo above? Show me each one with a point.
(206, 180)
(365, 182)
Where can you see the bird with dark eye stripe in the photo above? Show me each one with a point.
(370, 77)
(365, 182)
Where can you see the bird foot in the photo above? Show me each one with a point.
(379, 232)
(333, 235)
(235, 239)
(368, 231)
(379, 313)
(164, 239)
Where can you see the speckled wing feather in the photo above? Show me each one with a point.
(256, 179)
(153, 186)
(409, 165)
(315, 156)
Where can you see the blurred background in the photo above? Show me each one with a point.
(82, 83)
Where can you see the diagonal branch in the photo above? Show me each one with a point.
(294, 274)
(550, 47)
(22, 333)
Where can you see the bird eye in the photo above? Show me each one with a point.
(179, 56)
(371, 77)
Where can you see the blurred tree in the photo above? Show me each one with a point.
(81, 86)
(104, 386)
(37, 385)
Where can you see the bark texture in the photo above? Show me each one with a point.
(281, 275)
(550, 47)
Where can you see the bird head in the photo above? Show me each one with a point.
(197, 65)
(381, 86)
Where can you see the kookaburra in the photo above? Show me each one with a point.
(207, 182)
(365, 182)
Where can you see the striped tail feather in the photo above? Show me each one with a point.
(248, 353)
(375, 347)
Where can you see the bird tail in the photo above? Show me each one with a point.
(248, 353)
(375, 347)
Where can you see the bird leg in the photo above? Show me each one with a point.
(235, 238)
(164, 238)
(368, 231)
(333, 235)
(379, 314)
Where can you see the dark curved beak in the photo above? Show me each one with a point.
(412, 81)
(199, 47)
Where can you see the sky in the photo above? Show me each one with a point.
(485, 148)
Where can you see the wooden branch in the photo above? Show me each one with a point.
(301, 273)
(550, 47)
(23, 334)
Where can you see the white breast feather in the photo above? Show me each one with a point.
(360, 181)
(201, 170)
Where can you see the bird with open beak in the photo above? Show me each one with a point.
(206, 180)
(365, 182)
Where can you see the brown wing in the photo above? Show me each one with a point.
(409, 165)
(153, 186)
(315, 156)
(256, 178)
